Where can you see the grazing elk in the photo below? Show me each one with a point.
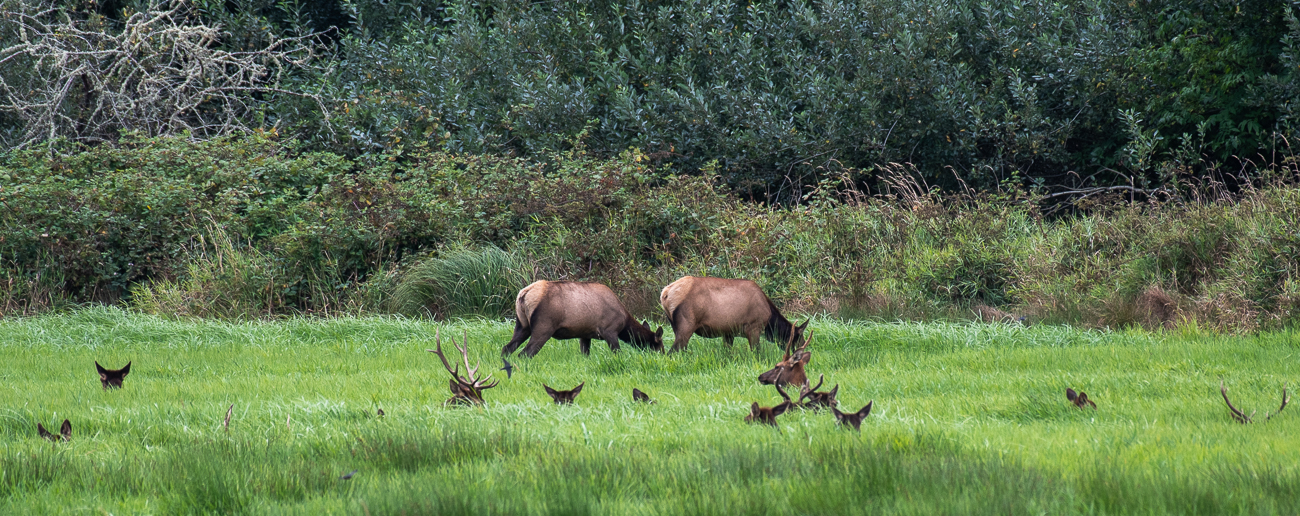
(791, 370)
(564, 397)
(466, 390)
(1240, 416)
(718, 307)
(853, 419)
(576, 310)
(817, 400)
(1079, 399)
(65, 432)
(638, 395)
(768, 415)
(110, 378)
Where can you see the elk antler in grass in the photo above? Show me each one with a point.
(1240, 416)
(466, 389)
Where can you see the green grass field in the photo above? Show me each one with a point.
(969, 418)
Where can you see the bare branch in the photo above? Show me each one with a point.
(158, 72)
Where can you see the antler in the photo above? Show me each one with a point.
(783, 394)
(471, 371)
(1237, 414)
(806, 392)
(437, 337)
(1285, 399)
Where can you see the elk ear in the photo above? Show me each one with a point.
(866, 410)
(1070, 394)
(66, 430)
(40, 429)
(659, 333)
(578, 389)
(126, 370)
(780, 409)
(834, 390)
(103, 373)
(804, 326)
(551, 391)
(754, 410)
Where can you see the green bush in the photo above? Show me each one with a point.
(463, 282)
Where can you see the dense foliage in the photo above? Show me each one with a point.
(251, 227)
(781, 94)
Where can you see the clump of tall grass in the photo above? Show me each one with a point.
(468, 281)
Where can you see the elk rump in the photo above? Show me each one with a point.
(719, 307)
(576, 310)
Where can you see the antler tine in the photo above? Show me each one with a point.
(806, 392)
(464, 353)
(783, 394)
(437, 338)
(1285, 399)
(806, 341)
(1236, 414)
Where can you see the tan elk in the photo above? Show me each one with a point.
(792, 369)
(468, 389)
(576, 310)
(719, 307)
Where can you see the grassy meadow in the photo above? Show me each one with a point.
(969, 418)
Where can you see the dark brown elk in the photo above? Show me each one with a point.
(1240, 416)
(1079, 399)
(818, 400)
(718, 307)
(110, 378)
(564, 397)
(576, 310)
(65, 432)
(853, 419)
(792, 369)
(767, 415)
(468, 389)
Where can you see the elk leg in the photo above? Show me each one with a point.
(584, 344)
(541, 334)
(612, 339)
(681, 338)
(521, 333)
(753, 336)
(729, 339)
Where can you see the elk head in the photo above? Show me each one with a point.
(65, 432)
(564, 397)
(466, 389)
(1240, 416)
(790, 370)
(642, 335)
(1079, 399)
(767, 415)
(853, 419)
(110, 378)
(817, 400)
(637, 395)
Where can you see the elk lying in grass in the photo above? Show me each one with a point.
(718, 307)
(468, 389)
(1079, 399)
(576, 310)
(818, 400)
(1240, 416)
(110, 378)
(65, 432)
(791, 369)
(853, 419)
(564, 397)
(638, 395)
(767, 415)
